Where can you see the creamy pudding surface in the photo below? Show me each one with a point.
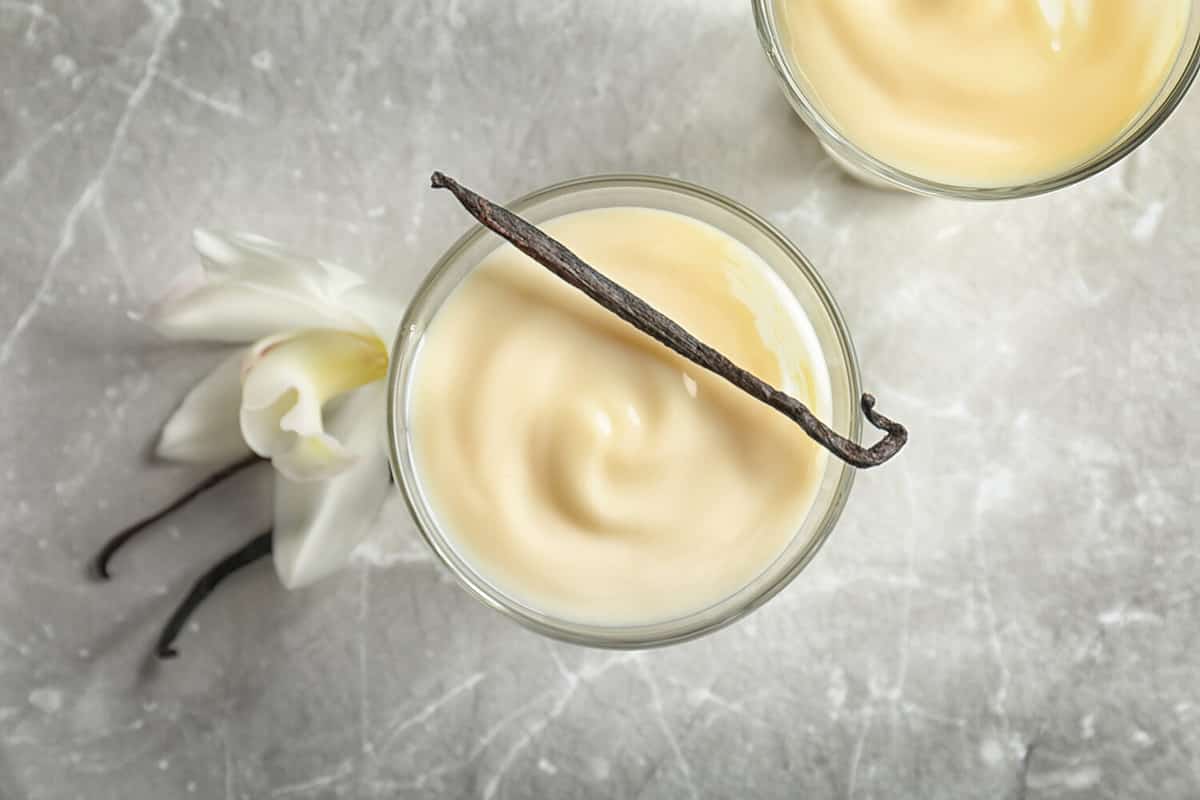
(982, 92)
(584, 469)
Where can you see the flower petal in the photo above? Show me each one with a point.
(255, 260)
(252, 259)
(318, 525)
(251, 287)
(286, 382)
(379, 309)
(232, 311)
(205, 429)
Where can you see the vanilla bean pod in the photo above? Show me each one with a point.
(567, 266)
(258, 547)
(113, 545)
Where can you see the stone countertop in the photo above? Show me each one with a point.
(1007, 610)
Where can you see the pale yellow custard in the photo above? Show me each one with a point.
(584, 469)
(982, 92)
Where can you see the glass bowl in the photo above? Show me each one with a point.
(874, 171)
(779, 254)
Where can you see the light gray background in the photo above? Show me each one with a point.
(1008, 610)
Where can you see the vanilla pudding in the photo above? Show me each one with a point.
(583, 469)
(982, 93)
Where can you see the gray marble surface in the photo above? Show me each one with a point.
(1008, 610)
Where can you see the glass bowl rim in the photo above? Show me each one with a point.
(612, 636)
(877, 169)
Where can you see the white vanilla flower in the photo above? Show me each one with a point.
(307, 392)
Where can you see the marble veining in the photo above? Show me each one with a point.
(1007, 610)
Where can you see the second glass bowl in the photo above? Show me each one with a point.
(872, 170)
